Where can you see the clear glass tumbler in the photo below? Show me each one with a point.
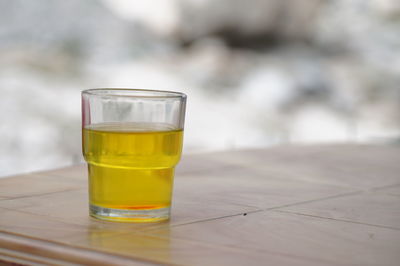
(132, 141)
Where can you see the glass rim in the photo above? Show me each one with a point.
(141, 93)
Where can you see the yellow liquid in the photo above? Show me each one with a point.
(131, 165)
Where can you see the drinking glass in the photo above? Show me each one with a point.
(131, 141)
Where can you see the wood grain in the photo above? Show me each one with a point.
(50, 252)
(317, 205)
(393, 190)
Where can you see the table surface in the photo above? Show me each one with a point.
(291, 205)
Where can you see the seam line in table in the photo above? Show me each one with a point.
(52, 218)
(384, 187)
(42, 194)
(339, 220)
(211, 219)
(358, 192)
(260, 210)
(254, 211)
(314, 200)
(390, 194)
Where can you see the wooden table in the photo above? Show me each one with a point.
(317, 205)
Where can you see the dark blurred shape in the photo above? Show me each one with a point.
(254, 24)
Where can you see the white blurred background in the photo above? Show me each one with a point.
(257, 72)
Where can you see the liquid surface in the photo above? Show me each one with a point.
(131, 166)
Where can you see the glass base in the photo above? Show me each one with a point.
(134, 216)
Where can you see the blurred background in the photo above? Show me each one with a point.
(257, 73)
